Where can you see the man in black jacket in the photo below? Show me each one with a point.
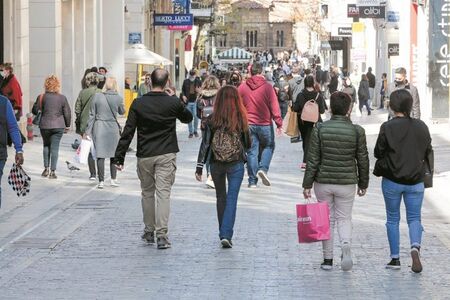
(372, 84)
(154, 115)
(189, 93)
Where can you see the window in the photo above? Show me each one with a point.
(280, 38)
(251, 38)
(248, 39)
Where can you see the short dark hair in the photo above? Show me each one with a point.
(103, 68)
(256, 69)
(309, 81)
(340, 103)
(192, 72)
(384, 75)
(401, 101)
(94, 69)
(159, 77)
(400, 70)
(307, 71)
(370, 69)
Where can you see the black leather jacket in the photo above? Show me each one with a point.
(205, 153)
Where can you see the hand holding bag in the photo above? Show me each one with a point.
(19, 181)
(291, 128)
(37, 118)
(83, 151)
(313, 222)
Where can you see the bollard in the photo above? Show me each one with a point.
(30, 126)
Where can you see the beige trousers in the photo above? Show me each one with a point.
(157, 175)
(340, 200)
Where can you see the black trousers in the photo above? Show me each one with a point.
(305, 132)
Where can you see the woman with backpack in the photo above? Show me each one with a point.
(225, 144)
(205, 107)
(310, 97)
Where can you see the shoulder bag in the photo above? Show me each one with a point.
(37, 118)
(114, 115)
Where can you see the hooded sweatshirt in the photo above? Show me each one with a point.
(261, 102)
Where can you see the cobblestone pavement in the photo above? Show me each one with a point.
(69, 240)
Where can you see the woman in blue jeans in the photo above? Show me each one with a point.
(401, 148)
(225, 142)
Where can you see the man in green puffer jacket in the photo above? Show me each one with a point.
(337, 163)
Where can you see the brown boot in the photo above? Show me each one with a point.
(45, 173)
(52, 175)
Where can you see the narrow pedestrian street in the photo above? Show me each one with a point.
(69, 240)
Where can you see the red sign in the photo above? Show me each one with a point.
(180, 28)
(188, 43)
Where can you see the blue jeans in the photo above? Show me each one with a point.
(260, 154)
(413, 197)
(192, 107)
(2, 166)
(227, 200)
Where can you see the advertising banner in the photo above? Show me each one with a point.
(173, 20)
(372, 12)
(393, 50)
(439, 57)
(352, 11)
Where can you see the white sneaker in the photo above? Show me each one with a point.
(210, 183)
(115, 183)
(101, 185)
(265, 180)
(347, 262)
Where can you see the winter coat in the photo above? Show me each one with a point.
(363, 91)
(102, 125)
(82, 106)
(415, 112)
(11, 89)
(261, 102)
(205, 106)
(55, 110)
(337, 154)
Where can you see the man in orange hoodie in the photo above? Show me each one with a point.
(263, 109)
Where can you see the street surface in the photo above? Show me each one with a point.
(68, 240)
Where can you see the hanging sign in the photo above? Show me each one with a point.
(173, 20)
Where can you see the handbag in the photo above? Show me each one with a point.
(310, 111)
(19, 181)
(292, 124)
(37, 118)
(313, 222)
(429, 169)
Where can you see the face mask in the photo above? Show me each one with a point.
(398, 82)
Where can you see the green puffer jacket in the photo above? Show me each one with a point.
(339, 155)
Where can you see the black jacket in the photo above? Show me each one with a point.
(205, 152)
(363, 91)
(186, 87)
(304, 97)
(154, 115)
(372, 79)
(401, 148)
(333, 85)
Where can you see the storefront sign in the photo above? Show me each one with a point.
(352, 11)
(393, 16)
(180, 28)
(134, 38)
(372, 12)
(173, 20)
(358, 55)
(179, 6)
(367, 2)
(439, 57)
(393, 50)
(344, 31)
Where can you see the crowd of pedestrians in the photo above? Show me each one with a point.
(239, 116)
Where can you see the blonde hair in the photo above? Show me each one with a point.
(111, 85)
(211, 83)
(52, 84)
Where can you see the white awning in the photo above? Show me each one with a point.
(139, 54)
(235, 53)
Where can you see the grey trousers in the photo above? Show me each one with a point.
(340, 200)
(157, 175)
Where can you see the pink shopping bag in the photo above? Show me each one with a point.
(313, 222)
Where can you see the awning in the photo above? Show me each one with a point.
(139, 54)
(235, 53)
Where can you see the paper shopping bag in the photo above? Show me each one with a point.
(291, 128)
(313, 222)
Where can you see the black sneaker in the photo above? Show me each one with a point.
(394, 264)
(191, 135)
(149, 237)
(163, 243)
(416, 264)
(195, 134)
(226, 243)
(327, 264)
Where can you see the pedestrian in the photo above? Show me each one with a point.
(401, 148)
(334, 82)
(349, 89)
(402, 83)
(11, 89)
(83, 80)
(55, 121)
(364, 94)
(384, 87)
(128, 83)
(8, 126)
(282, 91)
(228, 125)
(205, 107)
(262, 107)
(146, 86)
(104, 129)
(337, 166)
(154, 116)
(189, 92)
(296, 84)
(305, 127)
(372, 83)
(82, 109)
(102, 74)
